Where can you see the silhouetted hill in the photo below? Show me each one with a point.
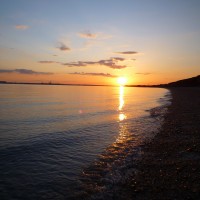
(190, 82)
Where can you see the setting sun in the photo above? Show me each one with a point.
(122, 80)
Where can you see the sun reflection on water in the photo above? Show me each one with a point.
(123, 132)
(121, 97)
(122, 116)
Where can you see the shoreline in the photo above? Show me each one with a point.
(170, 165)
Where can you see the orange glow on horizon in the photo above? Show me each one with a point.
(92, 80)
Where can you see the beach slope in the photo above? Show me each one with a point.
(170, 165)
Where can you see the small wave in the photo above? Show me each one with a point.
(158, 112)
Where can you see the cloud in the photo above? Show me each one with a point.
(47, 62)
(75, 64)
(94, 36)
(5, 71)
(111, 63)
(28, 71)
(143, 73)
(95, 74)
(118, 58)
(21, 27)
(87, 35)
(24, 71)
(127, 52)
(63, 47)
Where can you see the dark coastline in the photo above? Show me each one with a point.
(170, 165)
(189, 82)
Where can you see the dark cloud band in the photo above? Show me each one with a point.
(95, 74)
(24, 71)
(48, 62)
(111, 63)
(127, 52)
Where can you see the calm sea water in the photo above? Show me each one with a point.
(64, 142)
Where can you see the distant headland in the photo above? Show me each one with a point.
(189, 82)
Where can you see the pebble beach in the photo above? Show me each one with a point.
(170, 164)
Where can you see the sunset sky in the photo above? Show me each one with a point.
(96, 41)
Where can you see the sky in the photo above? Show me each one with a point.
(96, 41)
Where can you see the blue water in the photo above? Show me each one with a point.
(54, 139)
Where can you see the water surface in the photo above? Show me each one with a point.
(54, 139)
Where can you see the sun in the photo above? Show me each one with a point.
(122, 80)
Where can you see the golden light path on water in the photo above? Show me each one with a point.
(121, 97)
(122, 116)
(116, 165)
(123, 132)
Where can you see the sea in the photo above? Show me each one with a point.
(73, 142)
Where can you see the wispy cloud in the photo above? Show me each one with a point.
(24, 71)
(76, 64)
(127, 52)
(73, 64)
(87, 35)
(143, 73)
(63, 47)
(47, 62)
(118, 58)
(21, 27)
(111, 63)
(5, 71)
(94, 74)
(94, 36)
